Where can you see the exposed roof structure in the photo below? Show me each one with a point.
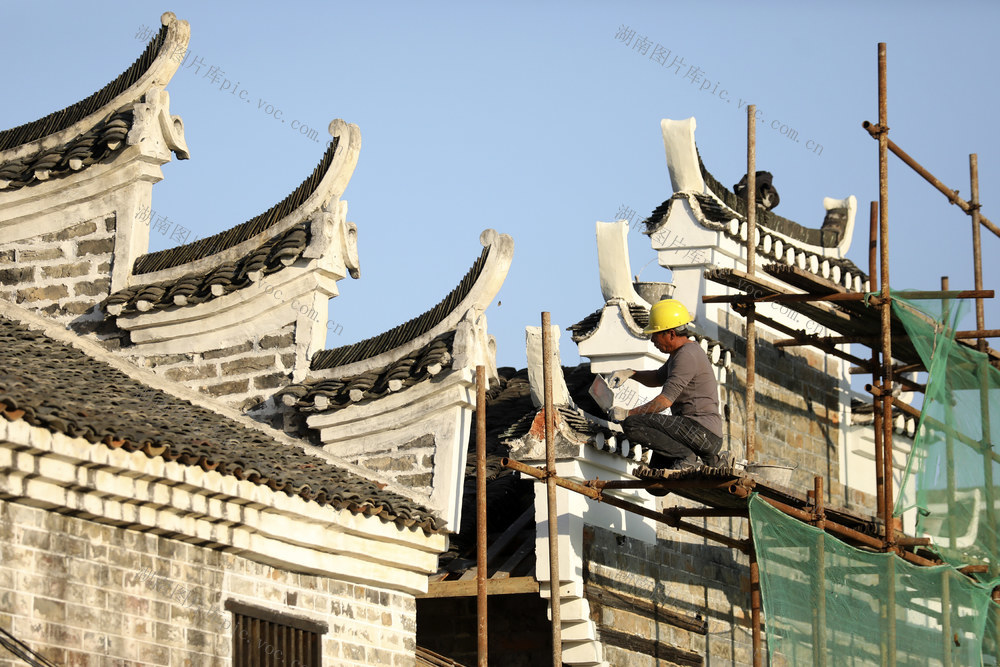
(53, 385)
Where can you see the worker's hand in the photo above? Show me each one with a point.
(618, 413)
(618, 378)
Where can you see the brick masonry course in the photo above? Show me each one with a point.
(244, 375)
(62, 274)
(83, 593)
(680, 573)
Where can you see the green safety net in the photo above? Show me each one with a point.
(953, 473)
(827, 603)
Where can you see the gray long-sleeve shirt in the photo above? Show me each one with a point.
(688, 381)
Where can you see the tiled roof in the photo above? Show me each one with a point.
(55, 386)
(60, 120)
(519, 411)
(393, 338)
(171, 257)
(863, 413)
(103, 141)
(723, 218)
(587, 326)
(332, 395)
(269, 258)
(827, 236)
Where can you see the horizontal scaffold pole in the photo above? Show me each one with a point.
(846, 296)
(663, 517)
(952, 195)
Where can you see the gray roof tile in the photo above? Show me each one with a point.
(227, 277)
(332, 395)
(102, 142)
(55, 386)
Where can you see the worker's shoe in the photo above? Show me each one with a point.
(720, 460)
(688, 463)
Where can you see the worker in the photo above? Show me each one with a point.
(693, 430)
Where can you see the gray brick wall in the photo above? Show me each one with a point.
(83, 593)
(62, 274)
(410, 464)
(798, 402)
(680, 574)
(243, 375)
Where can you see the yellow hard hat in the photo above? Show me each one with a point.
(667, 314)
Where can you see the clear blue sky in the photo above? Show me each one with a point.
(533, 119)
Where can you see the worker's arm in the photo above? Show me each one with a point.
(658, 404)
(648, 378)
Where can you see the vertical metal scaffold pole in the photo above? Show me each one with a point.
(751, 415)
(819, 620)
(984, 399)
(757, 644)
(481, 594)
(876, 374)
(946, 616)
(550, 484)
(883, 205)
(977, 248)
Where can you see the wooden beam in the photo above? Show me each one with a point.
(658, 650)
(598, 595)
(467, 587)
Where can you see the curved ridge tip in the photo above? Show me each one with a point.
(336, 126)
(492, 237)
(167, 18)
(488, 237)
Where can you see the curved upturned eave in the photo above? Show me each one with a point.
(328, 180)
(280, 252)
(154, 67)
(476, 290)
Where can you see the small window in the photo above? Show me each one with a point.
(263, 638)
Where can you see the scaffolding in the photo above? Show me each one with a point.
(865, 319)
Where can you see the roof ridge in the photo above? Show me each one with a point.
(826, 238)
(405, 332)
(64, 118)
(190, 252)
